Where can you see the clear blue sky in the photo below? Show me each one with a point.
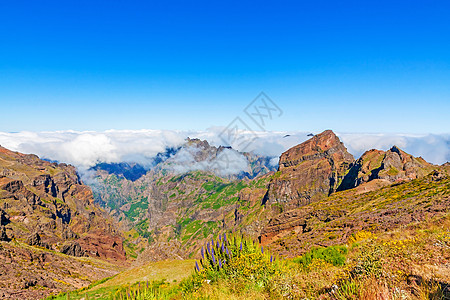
(351, 66)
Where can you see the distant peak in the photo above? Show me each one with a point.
(325, 139)
(396, 149)
(197, 142)
(316, 145)
(327, 134)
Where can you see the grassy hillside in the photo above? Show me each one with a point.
(391, 243)
(167, 273)
(411, 263)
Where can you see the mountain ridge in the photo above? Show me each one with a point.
(318, 197)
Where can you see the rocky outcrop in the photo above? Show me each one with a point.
(99, 244)
(392, 166)
(35, 240)
(333, 220)
(3, 236)
(49, 200)
(309, 171)
(73, 249)
(320, 167)
(68, 234)
(297, 221)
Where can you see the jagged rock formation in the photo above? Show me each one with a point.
(35, 240)
(186, 207)
(364, 198)
(73, 249)
(44, 204)
(169, 211)
(333, 220)
(44, 209)
(309, 171)
(391, 166)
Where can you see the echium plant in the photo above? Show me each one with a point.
(234, 256)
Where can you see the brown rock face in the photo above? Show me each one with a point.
(309, 171)
(391, 166)
(99, 244)
(45, 204)
(73, 249)
(333, 220)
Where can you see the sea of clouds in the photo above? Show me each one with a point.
(87, 148)
(227, 162)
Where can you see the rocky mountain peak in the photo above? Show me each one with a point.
(319, 146)
(197, 143)
(309, 171)
(391, 165)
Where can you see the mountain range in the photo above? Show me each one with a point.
(129, 214)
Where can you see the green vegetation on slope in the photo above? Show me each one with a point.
(401, 264)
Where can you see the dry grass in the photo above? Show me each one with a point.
(170, 270)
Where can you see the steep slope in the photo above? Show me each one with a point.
(311, 174)
(190, 194)
(30, 272)
(389, 242)
(169, 215)
(173, 207)
(117, 183)
(45, 205)
(309, 171)
(333, 220)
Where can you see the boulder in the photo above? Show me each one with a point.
(73, 249)
(3, 235)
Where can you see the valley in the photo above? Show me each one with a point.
(59, 234)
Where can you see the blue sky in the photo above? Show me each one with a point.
(382, 66)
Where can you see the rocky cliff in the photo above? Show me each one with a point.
(174, 207)
(45, 204)
(324, 196)
(309, 171)
(51, 232)
(334, 219)
(391, 166)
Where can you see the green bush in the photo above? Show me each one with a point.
(335, 255)
(232, 258)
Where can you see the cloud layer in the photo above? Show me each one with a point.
(85, 149)
(227, 162)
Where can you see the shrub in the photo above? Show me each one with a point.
(360, 236)
(232, 258)
(335, 255)
(369, 262)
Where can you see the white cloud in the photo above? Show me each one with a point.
(227, 162)
(85, 149)
(433, 148)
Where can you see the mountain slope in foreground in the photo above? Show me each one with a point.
(51, 232)
(384, 218)
(375, 228)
